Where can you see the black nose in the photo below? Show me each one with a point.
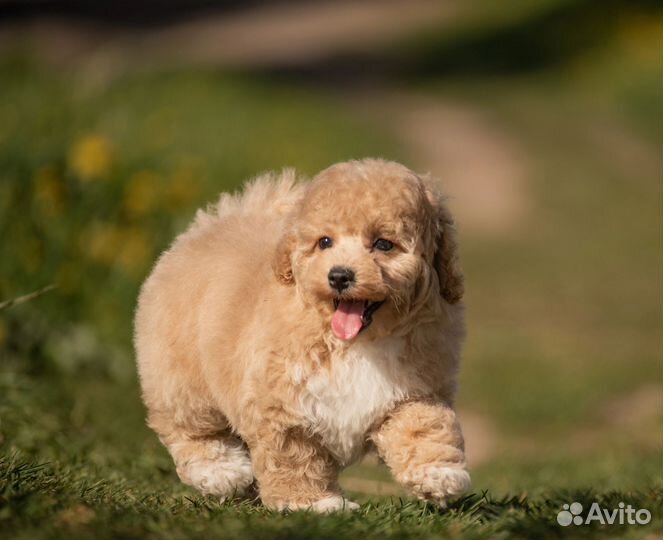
(340, 278)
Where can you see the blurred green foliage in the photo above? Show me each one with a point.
(96, 178)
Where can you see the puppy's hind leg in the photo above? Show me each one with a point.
(215, 463)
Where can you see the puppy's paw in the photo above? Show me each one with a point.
(212, 478)
(437, 483)
(216, 468)
(333, 503)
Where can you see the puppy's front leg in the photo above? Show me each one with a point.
(295, 472)
(422, 444)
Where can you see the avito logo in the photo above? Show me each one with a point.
(623, 515)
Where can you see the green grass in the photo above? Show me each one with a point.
(117, 507)
(79, 463)
(97, 175)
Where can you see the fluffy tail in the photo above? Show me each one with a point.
(270, 193)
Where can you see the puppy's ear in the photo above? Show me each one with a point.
(282, 262)
(445, 258)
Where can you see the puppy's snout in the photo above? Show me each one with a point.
(340, 278)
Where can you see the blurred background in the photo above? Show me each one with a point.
(541, 118)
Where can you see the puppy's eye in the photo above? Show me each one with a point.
(382, 244)
(325, 242)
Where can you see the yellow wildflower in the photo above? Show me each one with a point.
(638, 34)
(141, 192)
(127, 247)
(91, 157)
(135, 251)
(182, 188)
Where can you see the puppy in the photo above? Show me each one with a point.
(295, 324)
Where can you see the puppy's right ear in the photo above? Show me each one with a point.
(282, 262)
(445, 258)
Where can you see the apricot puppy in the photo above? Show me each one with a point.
(295, 324)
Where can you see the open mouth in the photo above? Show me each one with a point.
(352, 316)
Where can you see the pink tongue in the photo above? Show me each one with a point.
(346, 322)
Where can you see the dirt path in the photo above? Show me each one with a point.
(480, 167)
(280, 35)
(302, 32)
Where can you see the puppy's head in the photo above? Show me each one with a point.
(370, 244)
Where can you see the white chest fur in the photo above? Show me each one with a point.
(342, 402)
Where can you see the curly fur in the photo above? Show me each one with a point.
(244, 380)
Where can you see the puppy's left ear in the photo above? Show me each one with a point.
(282, 262)
(445, 259)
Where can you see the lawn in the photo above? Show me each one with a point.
(561, 381)
(80, 464)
